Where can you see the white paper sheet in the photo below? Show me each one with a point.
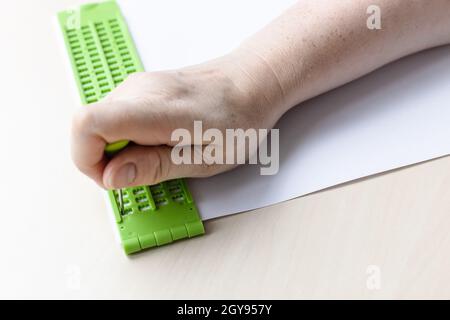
(396, 116)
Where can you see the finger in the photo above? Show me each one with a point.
(143, 123)
(87, 148)
(138, 165)
(96, 125)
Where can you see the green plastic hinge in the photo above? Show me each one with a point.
(102, 54)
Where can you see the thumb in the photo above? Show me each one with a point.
(148, 165)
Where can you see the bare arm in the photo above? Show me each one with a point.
(318, 45)
(313, 47)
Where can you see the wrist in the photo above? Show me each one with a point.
(257, 84)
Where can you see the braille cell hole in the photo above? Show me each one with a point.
(138, 191)
(141, 199)
(175, 189)
(144, 208)
(127, 211)
(161, 202)
(178, 198)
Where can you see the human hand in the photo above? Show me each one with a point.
(149, 106)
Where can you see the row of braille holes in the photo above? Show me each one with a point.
(91, 97)
(127, 205)
(104, 41)
(122, 46)
(109, 55)
(75, 47)
(125, 195)
(138, 191)
(89, 40)
(158, 195)
(178, 198)
(87, 85)
(161, 202)
(117, 78)
(71, 33)
(176, 191)
(73, 38)
(141, 199)
(102, 35)
(85, 77)
(127, 60)
(175, 188)
(144, 207)
(100, 74)
(105, 88)
(128, 209)
(87, 36)
(113, 65)
(117, 34)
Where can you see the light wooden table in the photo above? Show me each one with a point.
(382, 237)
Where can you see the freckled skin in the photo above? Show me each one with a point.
(313, 47)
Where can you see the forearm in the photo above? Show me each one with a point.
(318, 45)
(313, 47)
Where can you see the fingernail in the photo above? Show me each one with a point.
(124, 176)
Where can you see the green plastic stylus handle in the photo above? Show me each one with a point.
(115, 147)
